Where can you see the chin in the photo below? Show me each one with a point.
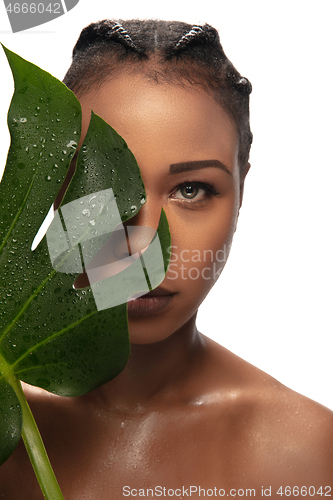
(158, 327)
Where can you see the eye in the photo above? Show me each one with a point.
(189, 192)
(193, 191)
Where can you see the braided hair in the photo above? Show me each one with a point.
(171, 52)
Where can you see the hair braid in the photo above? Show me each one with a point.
(104, 32)
(194, 32)
(171, 52)
(198, 36)
(123, 35)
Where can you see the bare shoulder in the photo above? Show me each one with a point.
(298, 436)
(286, 436)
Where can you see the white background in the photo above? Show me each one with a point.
(273, 303)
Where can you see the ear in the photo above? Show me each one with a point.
(241, 188)
(241, 184)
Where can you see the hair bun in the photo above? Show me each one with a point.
(244, 85)
(241, 83)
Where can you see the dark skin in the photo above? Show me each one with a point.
(185, 411)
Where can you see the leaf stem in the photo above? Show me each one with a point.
(36, 450)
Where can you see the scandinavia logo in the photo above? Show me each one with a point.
(25, 14)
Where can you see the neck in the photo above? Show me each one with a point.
(155, 372)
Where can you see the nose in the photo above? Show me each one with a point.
(141, 228)
(127, 242)
(149, 214)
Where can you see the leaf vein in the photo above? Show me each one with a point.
(18, 214)
(51, 337)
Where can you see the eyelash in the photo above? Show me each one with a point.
(210, 190)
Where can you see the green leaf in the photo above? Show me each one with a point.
(10, 420)
(66, 340)
(104, 161)
(62, 344)
(43, 141)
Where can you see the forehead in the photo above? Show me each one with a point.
(182, 122)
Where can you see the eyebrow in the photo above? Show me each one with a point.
(177, 168)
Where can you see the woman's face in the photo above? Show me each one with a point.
(187, 149)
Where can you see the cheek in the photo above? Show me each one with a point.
(200, 248)
(197, 267)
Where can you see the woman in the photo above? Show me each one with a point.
(186, 417)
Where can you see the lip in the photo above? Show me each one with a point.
(151, 303)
